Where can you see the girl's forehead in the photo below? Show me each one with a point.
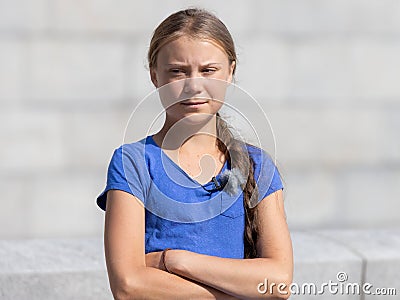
(184, 48)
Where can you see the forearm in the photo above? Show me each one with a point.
(152, 283)
(237, 277)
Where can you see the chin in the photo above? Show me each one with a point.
(197, 118)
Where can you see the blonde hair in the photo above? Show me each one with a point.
(194, 23)
(201, 24)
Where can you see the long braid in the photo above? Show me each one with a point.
(239, 158)
(201, 24)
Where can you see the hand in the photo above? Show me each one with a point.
(153, 260)
(173, 258)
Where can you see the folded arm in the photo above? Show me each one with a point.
(266, 277)
(129, 275)
(134, 275)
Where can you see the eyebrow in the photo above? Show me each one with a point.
(183, 64)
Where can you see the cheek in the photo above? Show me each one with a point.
(216, 106)
(170, 92)
(216, 89)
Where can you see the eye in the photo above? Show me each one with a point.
(209, 70)
(177, 71)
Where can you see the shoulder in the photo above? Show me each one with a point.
(132, 148)
(129, 151)
(127, 155)
(258, 155)
(266, 173)
(126, 172)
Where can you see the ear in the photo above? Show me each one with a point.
(153, 76)
(231, 69)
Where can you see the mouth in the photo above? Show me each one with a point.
(194, 103)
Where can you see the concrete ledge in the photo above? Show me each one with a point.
(75, 268)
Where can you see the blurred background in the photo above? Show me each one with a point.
(327, 73)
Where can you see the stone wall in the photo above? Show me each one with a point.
(75, 268)
(326, 72)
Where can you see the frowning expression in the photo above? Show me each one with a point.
(192, 76)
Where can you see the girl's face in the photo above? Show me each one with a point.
(192, 75)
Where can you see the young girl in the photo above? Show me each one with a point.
(192, 212)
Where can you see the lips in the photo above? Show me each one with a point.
(197, 102)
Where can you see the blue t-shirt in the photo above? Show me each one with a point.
(180, 212)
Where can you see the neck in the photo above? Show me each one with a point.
(193, 137)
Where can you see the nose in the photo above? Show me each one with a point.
(193, 86)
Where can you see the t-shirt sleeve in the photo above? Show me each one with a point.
(266, 174)
(116, 179)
